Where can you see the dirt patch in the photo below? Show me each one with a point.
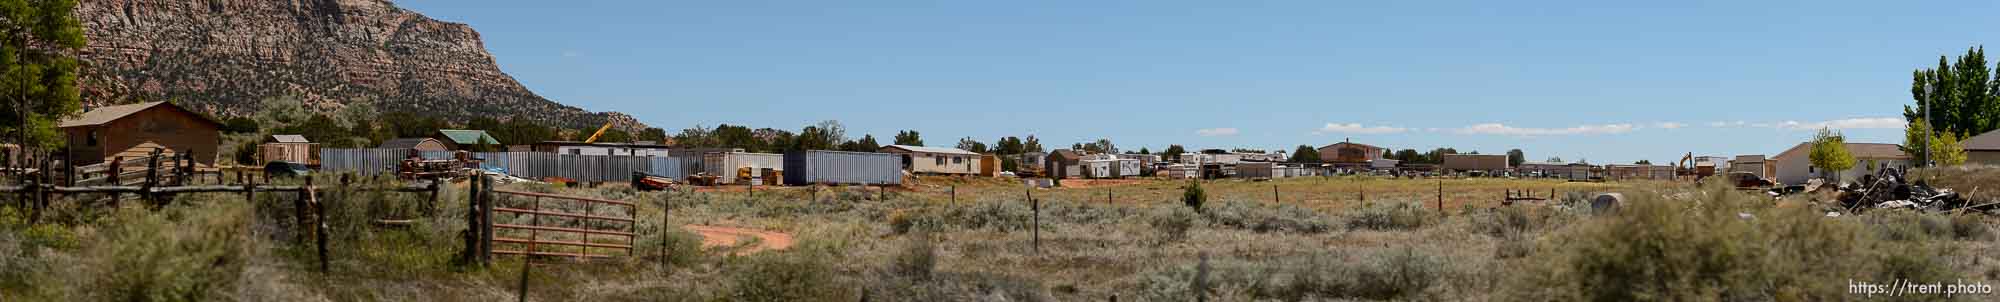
(719, 236)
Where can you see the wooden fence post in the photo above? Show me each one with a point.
(1274, 193)
(472, 223)
(1440, 198)
(299, 212)
(666, 211)
(486, 215)
(954, 195)
(1036, 207)
(152, 177)
(112, 178)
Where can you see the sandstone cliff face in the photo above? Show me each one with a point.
(226, 56)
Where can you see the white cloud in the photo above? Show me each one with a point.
(1847, 123)
(1216, 132)
(1354, 128)
(1669, 125)
(1502, 129)
(1720, 124)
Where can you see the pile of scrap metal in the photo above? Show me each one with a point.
(1891, 190)
(649, 182)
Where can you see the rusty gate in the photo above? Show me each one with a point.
(555, 227)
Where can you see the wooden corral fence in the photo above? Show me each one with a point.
(617, 222)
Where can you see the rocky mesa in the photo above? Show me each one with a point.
(226, 56)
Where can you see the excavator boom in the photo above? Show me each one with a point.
(600, 132)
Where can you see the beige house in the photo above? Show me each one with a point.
(1794, 166)
(936, 160)
(1983, 149)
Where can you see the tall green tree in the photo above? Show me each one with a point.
(1305, 154)
(1829, 153)
(1008, 146)
(1515, 157)
(653, 134)
(811, 138)
(1173, 152)
(695, 137)
(1961, 98)
(908, 138)
(38, 69)
(865, 144)
(1032, 145)
(1142, 150)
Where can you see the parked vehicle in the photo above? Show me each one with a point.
(281, 169)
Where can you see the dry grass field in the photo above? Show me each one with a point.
(948, 239)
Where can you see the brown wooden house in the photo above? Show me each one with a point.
(135, 130)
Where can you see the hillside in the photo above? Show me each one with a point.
(225, 56)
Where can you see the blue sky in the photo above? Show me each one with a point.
(1600, 80)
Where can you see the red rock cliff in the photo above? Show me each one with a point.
(226, 56)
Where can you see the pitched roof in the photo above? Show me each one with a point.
(468, 137)
(107, 114)
(404, 143)
(1858, 150)
(288, 138)
(1990, 141)
(931, 149)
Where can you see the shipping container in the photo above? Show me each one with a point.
(728, 167)
(840, 167)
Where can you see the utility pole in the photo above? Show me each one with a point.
(1929, 131)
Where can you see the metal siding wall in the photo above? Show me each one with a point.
(809, 167)
(364, 161)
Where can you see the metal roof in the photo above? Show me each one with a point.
(931, 149)
(468, 137)
(107, 114)
(288, 138)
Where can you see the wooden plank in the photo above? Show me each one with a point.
(565, 197)
(559, 242)
(562, 214)
(557, 229)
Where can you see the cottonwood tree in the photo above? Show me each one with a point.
(1946, 145)
(39, 41)
(1515, 157)
(1032, 145)
(1829, 153)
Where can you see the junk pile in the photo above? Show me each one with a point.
(1891, 190)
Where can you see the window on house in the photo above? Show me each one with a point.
(957, 160)
(90, 139)
(940, 160)
(576, 151)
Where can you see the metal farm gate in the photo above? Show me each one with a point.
(548, 225)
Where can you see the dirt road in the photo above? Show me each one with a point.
(719, 236)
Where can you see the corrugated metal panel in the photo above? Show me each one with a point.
(361, 161)
(837, 167)
(436, 155)
(539, 165)
(726, 164)
(1254, 170)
